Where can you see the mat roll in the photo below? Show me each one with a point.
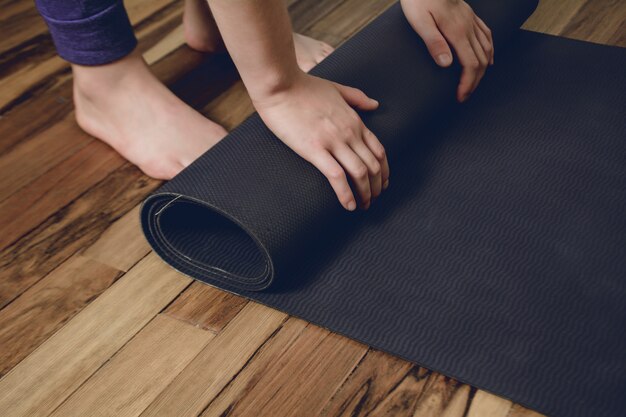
(250, 205)
(497, 255)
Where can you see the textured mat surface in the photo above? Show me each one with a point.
(498, 254)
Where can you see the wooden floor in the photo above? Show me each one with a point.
(93, 323)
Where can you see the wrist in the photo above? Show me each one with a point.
(272, 83)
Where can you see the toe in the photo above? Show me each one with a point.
(325, 50)
(327, 47)
(321, 56)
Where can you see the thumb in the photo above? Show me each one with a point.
(434, 40)
(356, 98)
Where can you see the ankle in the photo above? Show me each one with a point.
(200, 30)
(205, 38)
(201, 43)
(96, 89)
(95, 82)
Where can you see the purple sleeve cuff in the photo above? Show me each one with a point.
(93, 40)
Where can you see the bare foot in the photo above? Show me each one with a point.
(309, 51)
(202, 34)
(127, 107)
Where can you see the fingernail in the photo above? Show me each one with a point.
(444, 59)
(351, 206)
(375, 101)
(367, 205)
(386, 185)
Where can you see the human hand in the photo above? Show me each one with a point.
(314, 118)
(441, 23)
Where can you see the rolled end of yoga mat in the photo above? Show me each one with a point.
(250, 206)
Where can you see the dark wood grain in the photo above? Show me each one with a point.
(69, 229)
(206, 307)
(373, 380)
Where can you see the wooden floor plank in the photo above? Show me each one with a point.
(519, 411)
(122, 244)
(28, 160)
(29, 77)
(552, 16)
(442, 396)
(304, 14)
(485, 404)
(457, 405)
(267, 356)
(374, 378)
(206, 307)
(131, 380)
(167, 44)
(45, 378)
(619, 37)
(403, 399)
(218, 363)
(74, 227)
(302, 380)
(598, 21)
(19, 126)
(46, 306)
(14, 19)
(32, 204)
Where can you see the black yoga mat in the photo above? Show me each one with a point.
(498, 254)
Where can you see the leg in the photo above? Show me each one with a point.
(202, 34)
(117, 98)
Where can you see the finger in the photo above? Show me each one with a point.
(437, 45)
(356, 170)
(378, 150)
(336, 176)
(485, 44)
(482, 58)
(356, 98)
(471, 66)
(485, 29)
(374, 168)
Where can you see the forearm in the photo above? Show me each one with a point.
(309, 114)
(259, 39)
